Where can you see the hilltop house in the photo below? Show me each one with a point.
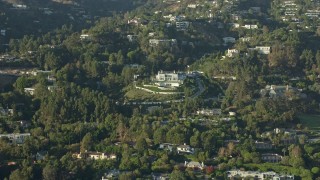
(169, 79)
(274, 91)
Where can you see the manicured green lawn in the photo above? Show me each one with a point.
(312, 121)
(140, 95)
(156, 89)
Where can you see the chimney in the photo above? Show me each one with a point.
(185, 163)
(287, 88)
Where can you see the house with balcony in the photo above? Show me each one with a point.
(16, 138)
(271, 158)
(162, 42)
(182, 25)
(263, 145)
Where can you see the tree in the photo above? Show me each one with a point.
(177, 175)
(195, 139)
(17, 175)
(315, 170)
(209, 170)
(141, 145)
(49, 172)
(25, 173)
(21, 83)
(307, 58)
(86, 143)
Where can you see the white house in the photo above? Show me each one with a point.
(134, 21)
(227, 40)
(112, 174)
(169, 79)
(194, 165)
(132, 38)
(16, 138)
(258, 175)
(192, 6)
(209, 112)
(41, 155)
(36, 72)
(85, 36)
(232, 52)
(166, 146)
(29, 91)
(185, 149)
(3, 32)
(263, 49)
(250, 26)
(274, 91)
(162, 42)
(6, 112)
(94, 155)
(20, 6)
(235, 25)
